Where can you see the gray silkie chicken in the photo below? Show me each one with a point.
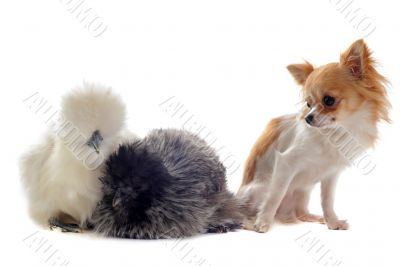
(170, 184)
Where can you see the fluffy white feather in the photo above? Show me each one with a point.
(61, 173)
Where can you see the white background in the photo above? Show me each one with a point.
(225, 62)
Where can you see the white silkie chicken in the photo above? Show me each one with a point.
(61, 174)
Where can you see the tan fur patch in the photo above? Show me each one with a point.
(262, 144)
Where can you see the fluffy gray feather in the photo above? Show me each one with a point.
(170, 184)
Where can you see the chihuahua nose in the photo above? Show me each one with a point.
(309, 119)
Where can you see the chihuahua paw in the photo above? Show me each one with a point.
(248, 224)
(312, 218)
(338, 225)
(261, 227)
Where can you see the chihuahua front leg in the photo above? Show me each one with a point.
(302, 197)
(268, 209)
(277, 189)
(327, 199)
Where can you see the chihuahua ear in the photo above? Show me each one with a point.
(357, 59)
(300, 72)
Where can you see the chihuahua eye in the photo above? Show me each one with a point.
(308, 105)
(329, 101)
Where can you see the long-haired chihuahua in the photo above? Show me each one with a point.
(343, 103)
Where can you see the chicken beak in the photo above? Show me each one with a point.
(95, 141)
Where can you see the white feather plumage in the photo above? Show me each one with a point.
(58, 174)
